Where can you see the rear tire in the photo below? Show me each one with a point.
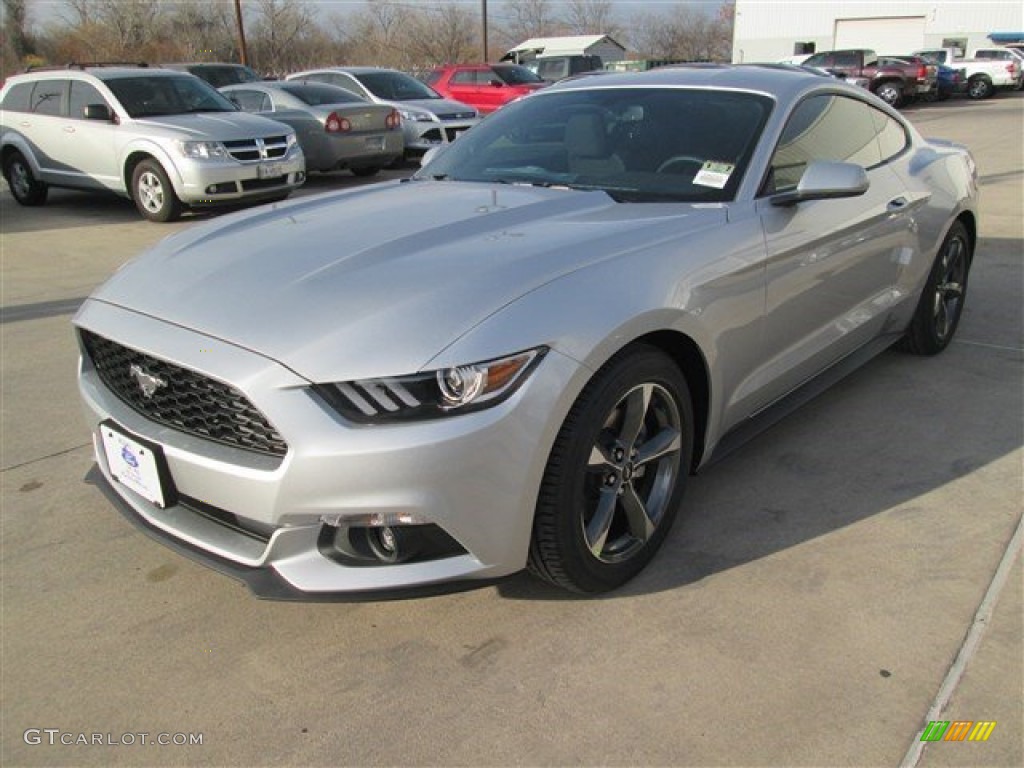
(942, 300)
(153, 194)
(25, 187)
(616, 474)
(890, 93)
(366, 171)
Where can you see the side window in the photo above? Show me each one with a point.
(464, 77)
(825, 127)
(48, 97)
(18, 98)
(82, 95)
(818, 60)
(352, 85)
(892, 139)
(847, 59)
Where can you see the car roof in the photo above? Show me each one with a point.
(99, 72)
(781, 82)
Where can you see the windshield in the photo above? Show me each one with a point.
(153, 96)
(315, 94)
(396, 86)
(515, 74)
(636, 144)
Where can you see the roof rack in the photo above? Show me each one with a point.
(87, 64)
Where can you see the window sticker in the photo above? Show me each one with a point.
(714, 174)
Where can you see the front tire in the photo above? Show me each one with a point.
(980, 88)
(25, 187)
(616, 474)
(153, 194)
(942, 301)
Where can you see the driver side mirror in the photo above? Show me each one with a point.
(825, 180)
(98, 112)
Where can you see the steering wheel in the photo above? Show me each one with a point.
(679, 164)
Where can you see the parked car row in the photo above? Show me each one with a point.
(930, 74)
(168, 140)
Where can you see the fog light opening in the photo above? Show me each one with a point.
(390, 545)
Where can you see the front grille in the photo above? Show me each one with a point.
(454, 133)
(249, 150)
(457, 116)
(182, 399)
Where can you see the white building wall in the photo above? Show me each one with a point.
(766, 30)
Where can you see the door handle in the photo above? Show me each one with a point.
(897, 203)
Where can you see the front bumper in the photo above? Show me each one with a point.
(209, 182)
(474, 476)
(421, 135)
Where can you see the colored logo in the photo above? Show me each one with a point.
(958, 730)
(129, 457)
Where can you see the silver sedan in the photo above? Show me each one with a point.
(517, 357)
(335, 128)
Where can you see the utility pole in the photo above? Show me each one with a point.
(483, 13)
(241, 33)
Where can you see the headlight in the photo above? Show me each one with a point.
(203, 150)
(432, 394)
(415, 116)
(292, 139)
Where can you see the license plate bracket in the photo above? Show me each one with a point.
(270, 170)
(137, 464)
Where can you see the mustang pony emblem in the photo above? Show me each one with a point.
(148, 383)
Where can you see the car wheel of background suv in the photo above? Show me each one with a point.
(153, 194)
(25, 187)
(366, 170)
(615, 477)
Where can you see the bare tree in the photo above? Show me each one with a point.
(530, 18)
(203, 31)
(590, 17)
(375, 33)
(445, 33)
(685, 32)
(280, 33)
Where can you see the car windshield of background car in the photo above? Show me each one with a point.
(637, 145)
(156, 96)
(315, 94)
(396, 86)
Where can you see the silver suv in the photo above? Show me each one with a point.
(428, 119)
(165, 139)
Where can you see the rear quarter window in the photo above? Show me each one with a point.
(48, 97)
(18, 97)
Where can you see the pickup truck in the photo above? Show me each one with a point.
(893, 84)
(984, 77)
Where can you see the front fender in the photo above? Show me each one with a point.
(130, 153)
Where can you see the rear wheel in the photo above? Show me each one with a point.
(890, 93)
(366, 170)
(153, 194)
(25, 187)
(616, 474)
(942, 301)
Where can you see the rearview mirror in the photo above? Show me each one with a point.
(826, 180)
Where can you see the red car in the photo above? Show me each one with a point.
(486, 86)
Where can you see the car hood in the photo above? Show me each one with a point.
(214, 126)
(437, 106)
(377, 281)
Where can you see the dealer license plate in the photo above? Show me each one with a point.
(374, 142)
(270, 171)
(133, 464)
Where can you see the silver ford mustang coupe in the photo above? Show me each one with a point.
(516, 357)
